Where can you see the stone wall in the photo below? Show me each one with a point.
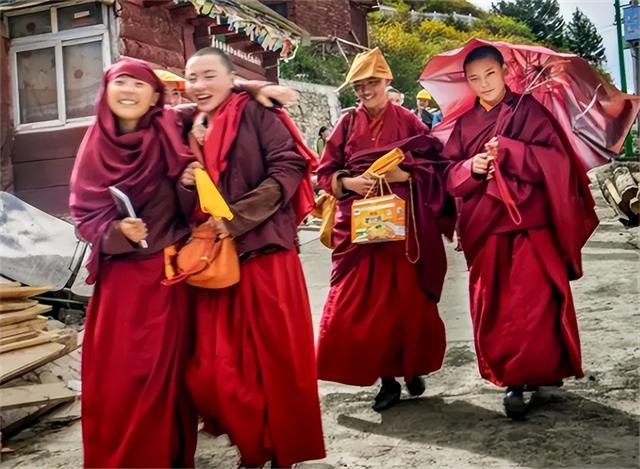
(318, 106)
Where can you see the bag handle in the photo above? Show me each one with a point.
(412, 220)
(381, 181)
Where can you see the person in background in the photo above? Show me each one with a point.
(437, 117)
(422, 110)
(173, 87)
(395, 96)
(323, 135)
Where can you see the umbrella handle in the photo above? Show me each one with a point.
(505, 195)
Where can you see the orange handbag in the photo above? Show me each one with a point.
(205, 261)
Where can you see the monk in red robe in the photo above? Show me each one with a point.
(136, 411)
(526, 212)
(253, 375)
(381, 316)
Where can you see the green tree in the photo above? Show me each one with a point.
(407, 45)
(507, 27)
(584, 40)
(542, 16)
(462, 7)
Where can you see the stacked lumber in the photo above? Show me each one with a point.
(26, 344)
(620, 186)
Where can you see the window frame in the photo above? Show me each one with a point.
(56, 39)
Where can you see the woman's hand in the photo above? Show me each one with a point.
(361, 185)
(491, 147)
(480, 163)
(397, 175)
(282, 94)
(199, 130)
(134, 229)
(219, 228)
(188, 177)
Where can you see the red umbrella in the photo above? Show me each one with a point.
(595, 115)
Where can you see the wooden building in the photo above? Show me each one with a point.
(345, 19)
(53, 54)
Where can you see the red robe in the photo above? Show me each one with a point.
(524, 321)
(252, 375)
(381, 316)
(136, 411)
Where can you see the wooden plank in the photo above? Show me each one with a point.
(36, 394)
(22, 335)
(42, 174)
(24, 315)
(41, 338)
(66, 413)
(47, 145)
(26, 420)
(53, 200)
(19, 362)
(17, 305)
(36, 324)
(12, 333)
(20, 293)
(67, 337)
(9, 283)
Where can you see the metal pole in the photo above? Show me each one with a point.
(628, 143)
(636, 58)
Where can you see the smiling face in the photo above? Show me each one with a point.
(129, 99)
(172, 95)
(485, 77)
(209, 81)
(372, 92)
(395, 97)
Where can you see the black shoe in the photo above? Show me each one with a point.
(388, 395)
(416, 386)
(536, 388)
(514, 405)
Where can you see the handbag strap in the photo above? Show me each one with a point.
(412, 219)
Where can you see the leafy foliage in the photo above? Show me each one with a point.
(584, 40)
(542, 16)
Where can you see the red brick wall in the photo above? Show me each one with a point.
(328, 18)
(152, 34)
(323, 18)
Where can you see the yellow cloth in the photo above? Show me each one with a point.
(386, 162)
(325, 208)
(370, 64)
(211, 200)
(166, 75)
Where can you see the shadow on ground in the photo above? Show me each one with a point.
(566, 431)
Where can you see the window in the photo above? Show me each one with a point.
(58, 58)
(280, 8)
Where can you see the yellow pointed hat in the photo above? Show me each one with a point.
(370, 64)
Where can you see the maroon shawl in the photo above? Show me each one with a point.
(435, 212)
(134, 162)
(540, 168)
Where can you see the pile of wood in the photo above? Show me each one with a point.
(620, 185)
(27, 342)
